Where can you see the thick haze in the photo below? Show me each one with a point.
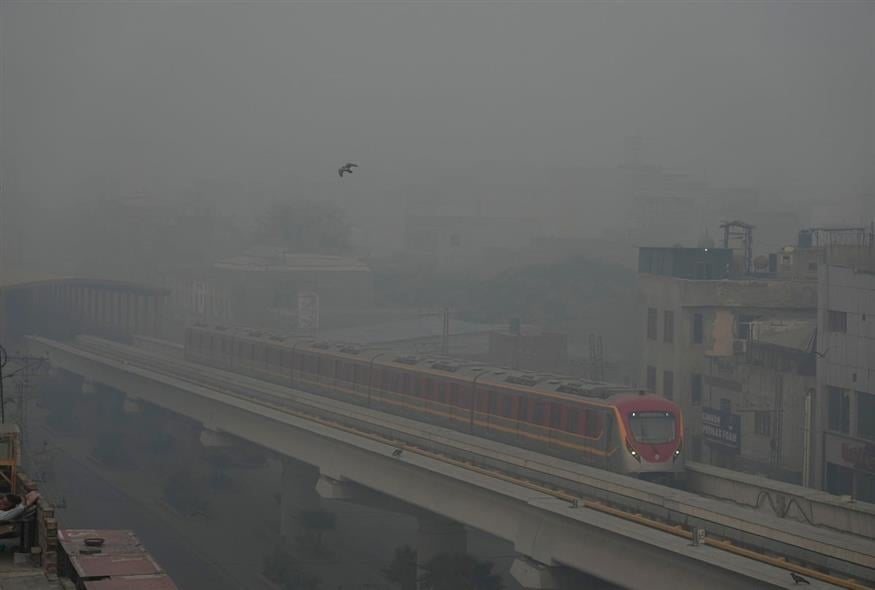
(247, 99)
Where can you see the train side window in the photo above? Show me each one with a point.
(507, 406)
(417, 386)
(538, 413)
(463, 400)
(338, 369)
(429, 387)
(523, 408)
(555, 416)
(441, 389)
(406, 387)
(455, 394)
(571, 420)
(593, 423)
(384, 379)
(493, 402)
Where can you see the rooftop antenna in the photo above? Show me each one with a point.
(739, 231)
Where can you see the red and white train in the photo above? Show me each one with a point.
(608, 426)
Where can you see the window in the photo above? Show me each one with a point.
(507, 406)
(651, 378)
(696, 389)
(668, 384)
(493, 402)
(743, 327)
(668, 326)
(839, 409)
(839, 480)
(698, 329)
(762, 423)
(538, 414)
(593, 426)
(651, 323)
(523, 405)
(555, 415)
(406, 381)
(865, 487)
(837, 321)
(652, 427)
(441, 388)
(865, 415)
(573, 417)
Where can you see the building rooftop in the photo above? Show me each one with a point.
(285, 262)
(425, 327)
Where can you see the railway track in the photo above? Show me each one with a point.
(841, 560)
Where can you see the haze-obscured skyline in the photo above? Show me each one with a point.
(162, 98)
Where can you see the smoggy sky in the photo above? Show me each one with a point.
(164, 96)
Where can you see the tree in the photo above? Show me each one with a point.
(305, 226)
(402, 570)
(459, 571)
(280, 568)
(315, 523)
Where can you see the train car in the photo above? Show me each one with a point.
(604, 425)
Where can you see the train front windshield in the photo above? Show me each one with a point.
(653, 427)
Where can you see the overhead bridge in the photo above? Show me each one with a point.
(557, 514)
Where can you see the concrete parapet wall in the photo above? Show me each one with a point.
(782, 499)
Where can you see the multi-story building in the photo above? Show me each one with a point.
(764, 390)
(699, 316)
(735, 343)
(845, 417)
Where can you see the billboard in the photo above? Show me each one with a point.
(308, 312)
(721, 428)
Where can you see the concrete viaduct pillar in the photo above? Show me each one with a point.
(297, 494)
(438, 535)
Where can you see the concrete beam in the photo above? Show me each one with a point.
(578, 538)
(532, 575)
(131, 406)
(212, 439)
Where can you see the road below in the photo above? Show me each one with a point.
(98, 504)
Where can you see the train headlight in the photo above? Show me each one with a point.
(633, 452)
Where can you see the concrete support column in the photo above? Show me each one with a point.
(297, 494)
(534, 575)
(438, 535)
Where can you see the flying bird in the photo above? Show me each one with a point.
(346, 168)
(799, 579)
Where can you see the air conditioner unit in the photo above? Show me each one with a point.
(739, 346)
